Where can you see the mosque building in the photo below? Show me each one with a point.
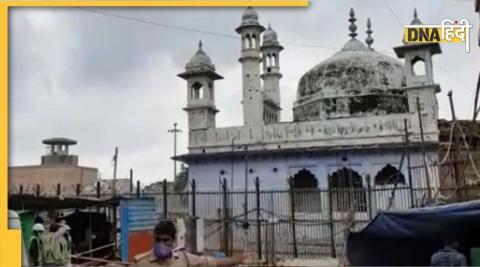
(349, 118)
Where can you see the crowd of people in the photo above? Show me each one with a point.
(52, 247)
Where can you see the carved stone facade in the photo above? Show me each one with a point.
(349, 113)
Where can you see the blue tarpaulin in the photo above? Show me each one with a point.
(410, 237)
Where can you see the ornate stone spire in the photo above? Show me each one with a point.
(353, 26)
(369, 39)
(416, 20)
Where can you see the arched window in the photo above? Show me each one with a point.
(248, 41)
(197, 90)
(307, 197)
(347, 190)
(389, 175)
(274, 59)
(418, 66)
(254, 41)
(210, 90)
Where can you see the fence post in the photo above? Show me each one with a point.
(131, 182)
(138, 189)
(330, 215)
(37, 191)
(78, 189)
(259, 226)
(165, 206)
(98, 189)
(225, 216)
(59, 189)
(193, 234)
(292, 209)
(369, 197)
(21, 189)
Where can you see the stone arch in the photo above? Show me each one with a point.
(307, 196)
(347, 191)
(389, 175)
(248, 41)
(345, 178)
(197, 90)
(304, 179)
(254, 41)
(419, 68)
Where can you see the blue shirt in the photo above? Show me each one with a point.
(448, 257)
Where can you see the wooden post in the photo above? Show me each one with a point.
(330, 215)
(455, 154)
(259, 226)
(292, 210)
(114, 182)
(78, 189)
(37, 190)
(21, 189)
(165, 206)
(138, 189)
(59, 189)
(429, 191)
(409, 164)
(131, 181)
(99, 190)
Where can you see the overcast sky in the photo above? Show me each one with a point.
(106, 81)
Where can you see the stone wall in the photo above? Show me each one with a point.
(49, 176)
(371, 130)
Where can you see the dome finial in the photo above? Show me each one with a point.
(352, 27)
(415, 20)
(269, 26)
(369, 39)
(200, 45)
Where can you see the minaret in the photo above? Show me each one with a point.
(419, 81)
(200, 76)
(421, 54)
(252, 96)
(271, 75)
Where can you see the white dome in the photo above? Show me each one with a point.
(270, 37)
(200, 60)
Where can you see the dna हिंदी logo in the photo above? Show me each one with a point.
(448, 32)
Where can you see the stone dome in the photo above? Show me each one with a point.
(200, 60)
(249, 16)
(353, 70)
(270, 36)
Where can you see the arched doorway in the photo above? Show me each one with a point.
(307, 197)
(389, 175)
(347, 190)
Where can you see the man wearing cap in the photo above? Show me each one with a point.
(164, 253)
(35, 245)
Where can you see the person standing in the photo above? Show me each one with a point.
(449, 255)
(65, 245)
(35, 245)
(52, 255)
(163, 252)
